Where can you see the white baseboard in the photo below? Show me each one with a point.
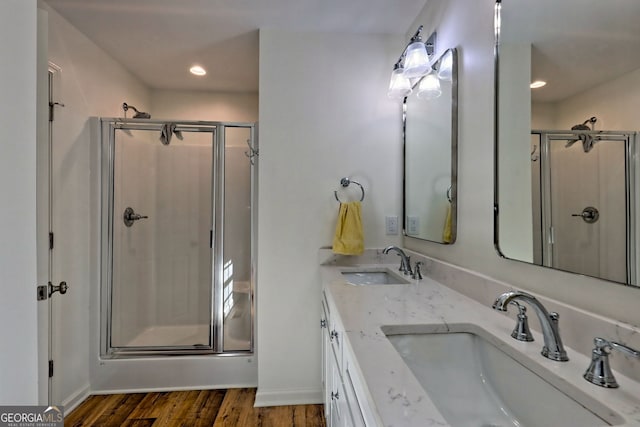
(288, 397)
(165, 389)
(72, 402)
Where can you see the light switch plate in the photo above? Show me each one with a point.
(413, 225)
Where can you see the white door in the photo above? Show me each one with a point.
(69, 249)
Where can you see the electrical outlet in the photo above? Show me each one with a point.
(413, 225)
(391, 223)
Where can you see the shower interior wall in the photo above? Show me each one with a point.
(162, 271)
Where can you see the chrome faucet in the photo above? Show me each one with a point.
(405, 261)
(599, 371)
(553, 348)
(522, 332)
(417, 272)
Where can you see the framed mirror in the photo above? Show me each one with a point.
(567, 122)
(430, 116)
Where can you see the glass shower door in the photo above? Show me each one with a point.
(587, 203)
(161, 284)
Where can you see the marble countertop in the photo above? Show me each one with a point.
(426, 305)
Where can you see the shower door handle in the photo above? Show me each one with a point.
(129, 217)
(62, 288)
(589, 214)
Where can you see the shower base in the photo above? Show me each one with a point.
(237, 330)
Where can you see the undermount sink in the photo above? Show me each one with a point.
(373, 277)
(474, 383)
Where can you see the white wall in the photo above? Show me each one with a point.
(470, 26)
(324, 115)
(18, 121)
(211, 106)
(516, 239)
(90, 84)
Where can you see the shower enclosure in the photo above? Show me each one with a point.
(177, 237)
(583, 202)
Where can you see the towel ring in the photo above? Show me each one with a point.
(449, 194)
(345, 182)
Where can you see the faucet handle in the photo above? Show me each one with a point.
(599, 371)
(417, 273)
(522, 332)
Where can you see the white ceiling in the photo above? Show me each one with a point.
(576, 44)
(158, 40)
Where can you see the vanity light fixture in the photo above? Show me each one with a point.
(197, 70)
(416, 58)
(429, 87)
(537, 84)
(412, 64)
(400, 85)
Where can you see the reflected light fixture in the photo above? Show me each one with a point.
(197, 70)
(445, 69)
(399, 86)
(537, 84)
(429, 87)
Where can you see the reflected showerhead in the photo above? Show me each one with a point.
(138, 114)
(584, 125)
(587, 140)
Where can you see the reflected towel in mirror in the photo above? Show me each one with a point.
(349, 237)
(446, 233)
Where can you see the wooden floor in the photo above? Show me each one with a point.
(199, 408)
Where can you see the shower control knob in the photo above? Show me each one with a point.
(129, 217)
(589, 214)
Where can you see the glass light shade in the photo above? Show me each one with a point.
(429, 87)
(399, 86)
(445, 70)
(416, 60)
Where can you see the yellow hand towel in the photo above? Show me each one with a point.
(349, 238)
(446, 233)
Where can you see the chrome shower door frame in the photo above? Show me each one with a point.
(108, 126)
(630, 140)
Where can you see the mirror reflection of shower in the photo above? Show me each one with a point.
(582, 201)
(587, 139)
(138, 114)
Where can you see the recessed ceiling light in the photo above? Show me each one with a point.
(198, 70)
(537, 84)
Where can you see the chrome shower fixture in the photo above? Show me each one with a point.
(137, 115)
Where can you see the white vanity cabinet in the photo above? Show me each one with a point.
(341, 406)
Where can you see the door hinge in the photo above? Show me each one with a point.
(50, 241)
(211, 239)
(51, 106)
(50, 368)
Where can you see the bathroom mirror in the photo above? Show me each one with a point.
(430, 118)
(567, 102)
